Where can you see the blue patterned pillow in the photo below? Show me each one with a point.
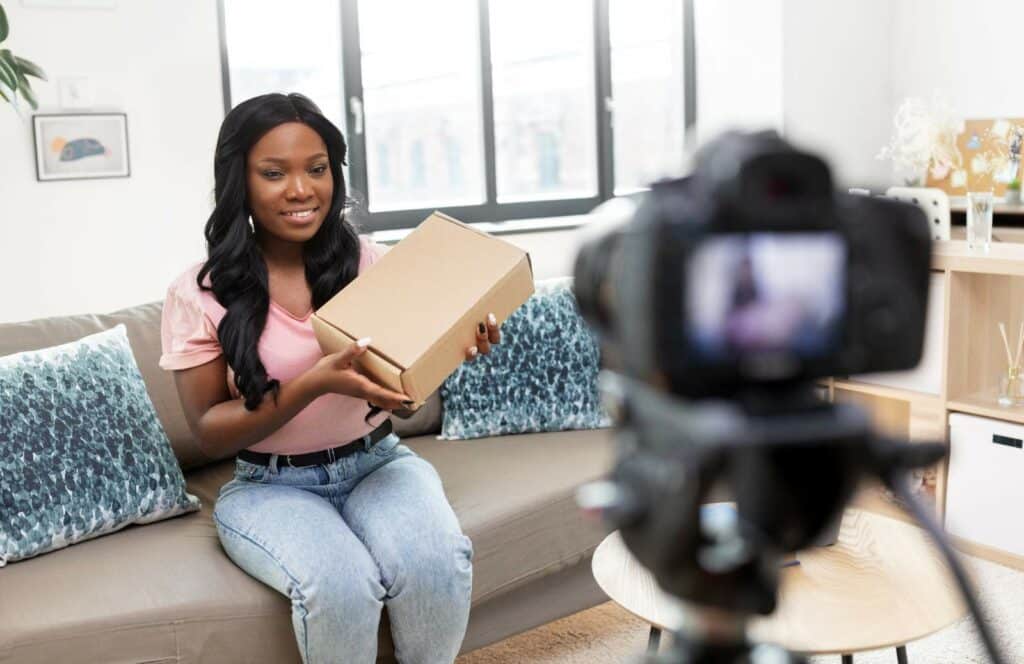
(541, 377)
(82, 453)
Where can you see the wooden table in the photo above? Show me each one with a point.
(882, 584)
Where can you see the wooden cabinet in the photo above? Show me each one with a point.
(980, 291)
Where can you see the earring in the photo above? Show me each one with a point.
(252, 226)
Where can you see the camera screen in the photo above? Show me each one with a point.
(754, 293)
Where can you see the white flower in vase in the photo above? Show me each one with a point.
(923, 141)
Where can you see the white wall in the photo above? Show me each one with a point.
(837, 59)
(98, 245)
(739, 65)
(969, 52)
(817, 70)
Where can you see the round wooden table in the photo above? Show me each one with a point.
(882, 584)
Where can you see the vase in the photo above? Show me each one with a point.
(1011, 388)
(1012, 197)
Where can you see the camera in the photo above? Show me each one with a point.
(754, 271)
(717, 304)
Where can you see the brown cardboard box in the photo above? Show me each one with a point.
(421, 302)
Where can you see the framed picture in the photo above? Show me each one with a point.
(80, 146)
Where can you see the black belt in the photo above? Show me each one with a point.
(321, 456)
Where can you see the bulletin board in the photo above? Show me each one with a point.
(990, 157)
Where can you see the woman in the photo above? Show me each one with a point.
(325, 506)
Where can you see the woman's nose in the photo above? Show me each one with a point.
(298, 188)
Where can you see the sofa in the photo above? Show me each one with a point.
(167, 592)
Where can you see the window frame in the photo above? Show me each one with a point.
(491, 210)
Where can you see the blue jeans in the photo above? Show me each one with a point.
(343, 540)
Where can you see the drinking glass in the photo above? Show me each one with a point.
(979, 220)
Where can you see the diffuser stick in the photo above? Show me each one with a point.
(1020, 344)
(1006, 343)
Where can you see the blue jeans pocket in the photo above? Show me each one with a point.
(386, 445)
(245, 470)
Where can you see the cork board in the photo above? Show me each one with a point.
(990, 157)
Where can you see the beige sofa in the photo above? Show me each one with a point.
(166, 592)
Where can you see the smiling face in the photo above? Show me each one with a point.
(289, 182)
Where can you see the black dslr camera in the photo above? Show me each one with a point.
(755, 272)
(717, 305)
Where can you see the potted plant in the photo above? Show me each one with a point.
(1013, 192)
(15, 72)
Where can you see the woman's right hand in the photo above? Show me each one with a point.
(336, 374)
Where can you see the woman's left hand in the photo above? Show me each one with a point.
(487, 334)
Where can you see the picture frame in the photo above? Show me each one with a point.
(79, 146)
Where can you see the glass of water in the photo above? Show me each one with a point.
(979, 220)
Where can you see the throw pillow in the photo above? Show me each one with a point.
(542, 376)
(82, 453)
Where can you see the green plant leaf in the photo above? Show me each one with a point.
(3, 95)
(29, 96)
(25, 88)
(8, 75)
(5, 27)
(8, 57)
(30, 68)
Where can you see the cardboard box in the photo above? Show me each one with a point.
(421, 302)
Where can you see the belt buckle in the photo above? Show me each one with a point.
(330, 455)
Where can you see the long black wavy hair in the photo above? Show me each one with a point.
(238, 273)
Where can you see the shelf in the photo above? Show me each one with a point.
(1006, 258)
(999, 233)
(984, 403)
(883, 391)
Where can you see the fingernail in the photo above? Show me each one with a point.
(473, 351)
(481, 327)
(364, 342)
(491, 319)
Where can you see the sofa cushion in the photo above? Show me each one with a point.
(143, 325)
(167, 590)
(83, 452)
(154, 593)
(515, 498)
(541, 377)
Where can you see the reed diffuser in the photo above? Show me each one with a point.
(1011, 388)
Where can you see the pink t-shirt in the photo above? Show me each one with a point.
(288, 347)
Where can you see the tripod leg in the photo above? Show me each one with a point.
(847, 659)
(901, 655)
(653, 640)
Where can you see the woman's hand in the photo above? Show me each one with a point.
(335, 374)
(486, 336)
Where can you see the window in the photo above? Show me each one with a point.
(487, 109)
(544, 136)
(647, 89)
(272, 50)
(421, 97)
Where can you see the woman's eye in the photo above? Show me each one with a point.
(320, 170)
(271, 175)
